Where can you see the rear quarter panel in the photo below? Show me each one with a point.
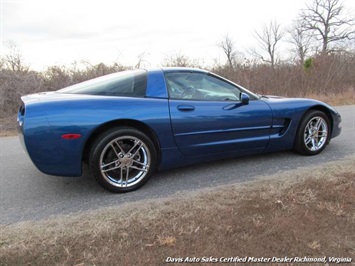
(79, 114)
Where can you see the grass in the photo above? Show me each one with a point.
(8, 126)
(344, 98)
(304, 212)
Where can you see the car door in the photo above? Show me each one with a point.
(207, 115)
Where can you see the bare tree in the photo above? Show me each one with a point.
(141, 59)
(325, 19)
(301, 40)
(177, 60)
(268, 37)
(2, 63)
(13, 59)
(228, 46)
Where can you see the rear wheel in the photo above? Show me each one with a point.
(313, 133)
(122, 159)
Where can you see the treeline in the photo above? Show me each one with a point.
(320, 76)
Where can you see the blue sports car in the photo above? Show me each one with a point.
(127, 125)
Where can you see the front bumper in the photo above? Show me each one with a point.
(336, 125)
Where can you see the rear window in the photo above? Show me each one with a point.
(126, 83)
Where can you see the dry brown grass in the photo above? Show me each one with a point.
(8, 126)
(8, 133)
(345, 98)
(308, 212)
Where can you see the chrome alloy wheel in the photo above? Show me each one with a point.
(315, 133)
(125, 161)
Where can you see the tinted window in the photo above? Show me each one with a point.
(125, 83)
(200, 86)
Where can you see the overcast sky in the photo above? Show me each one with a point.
(60, 32)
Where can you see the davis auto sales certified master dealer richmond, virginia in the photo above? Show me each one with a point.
(258, 260)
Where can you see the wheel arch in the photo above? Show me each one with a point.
(327, 113)
(323, 109)
(122, 123)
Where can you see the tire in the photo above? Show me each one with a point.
(313, 133)
(122, 159)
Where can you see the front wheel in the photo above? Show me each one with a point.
(122, 159)
(313, 133)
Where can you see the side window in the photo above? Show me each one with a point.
(200, 86)
(125, 83)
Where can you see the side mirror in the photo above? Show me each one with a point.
(244, 98)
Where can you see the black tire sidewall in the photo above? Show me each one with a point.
(101, 142)
(299, 145)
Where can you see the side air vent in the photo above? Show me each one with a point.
(280, 126)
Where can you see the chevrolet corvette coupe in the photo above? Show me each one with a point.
(127, 125)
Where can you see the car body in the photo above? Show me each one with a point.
(128, 124)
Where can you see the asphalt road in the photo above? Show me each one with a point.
(27, 194)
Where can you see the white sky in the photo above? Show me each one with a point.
(57, 32)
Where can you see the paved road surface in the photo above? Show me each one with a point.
(27, 194)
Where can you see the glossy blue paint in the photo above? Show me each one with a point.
(212, 128)
(287, 113)
(156, 87)
(78, 114)
(187, 131)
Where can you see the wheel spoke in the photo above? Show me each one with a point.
(139, 169)
(121, 175)
(108, 164)
(308, 139)
(308, 128)
(119, 146)
(323, 133)
(318, 124)
(143, 164)
(137, 142)
(133, 155)
(110, 169)
(114, 149)
(314, 144)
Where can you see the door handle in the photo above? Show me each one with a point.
(186, 108)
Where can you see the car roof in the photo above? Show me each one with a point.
(177, 69)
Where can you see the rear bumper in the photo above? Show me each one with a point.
(20, 125)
